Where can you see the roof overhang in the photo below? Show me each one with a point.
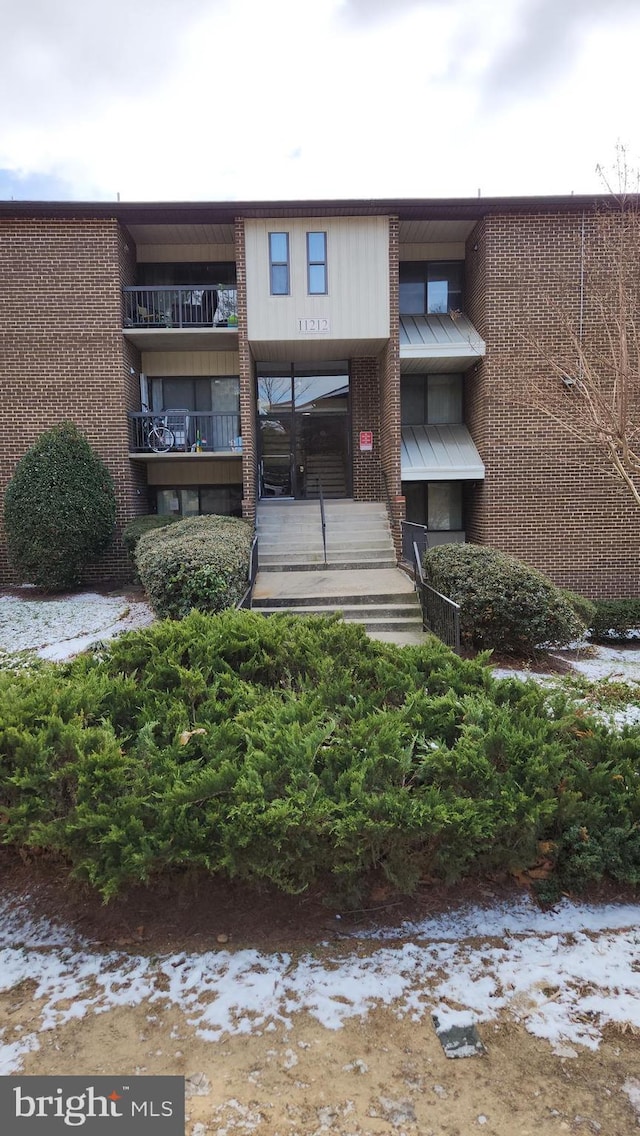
(440, 453)
(439, 344)
(225, 212)
(314, 349)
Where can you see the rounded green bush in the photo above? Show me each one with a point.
(585, 609)
(505, 604)
(616, 620)
(201, 563)
(132, 532)
(59, 509)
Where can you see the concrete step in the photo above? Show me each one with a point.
(333, 566)
(361, 613)
(288, 543)
(368, 621)
(335, 601)
(316, 555)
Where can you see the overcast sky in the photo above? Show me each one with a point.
(224, 99)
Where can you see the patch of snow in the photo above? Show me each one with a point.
(622, 663)
(58, 629)
(562, 974)
(631, 1088)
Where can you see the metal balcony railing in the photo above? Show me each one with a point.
(189, 307)
(184, 431)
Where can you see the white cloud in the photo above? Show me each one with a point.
(219, 99)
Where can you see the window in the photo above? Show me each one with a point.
(317, 264)
(430, 400)
(430, 288)
(436, 504)
(197, 500)
(210, 409)
(155, 274)
(279, 263)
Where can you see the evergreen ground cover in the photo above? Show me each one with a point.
(300, 752)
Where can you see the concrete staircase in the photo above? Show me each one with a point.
(290, 536)
(360, 580)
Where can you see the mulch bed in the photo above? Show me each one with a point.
(196, 913)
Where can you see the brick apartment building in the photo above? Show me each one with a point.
(217, 354)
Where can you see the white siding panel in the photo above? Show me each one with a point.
(357, 304)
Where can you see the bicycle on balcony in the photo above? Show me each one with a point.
(158, 437)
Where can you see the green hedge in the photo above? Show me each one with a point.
(505, 604)
(298, 751)
(135, 529)
(614, 619)
(201, 563)
(585, 609)
(59, 509)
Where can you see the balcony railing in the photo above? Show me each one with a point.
(205, 306)
(184, 431)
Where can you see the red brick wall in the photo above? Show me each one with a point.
(62, 352)
(365, 415)
(546, 498)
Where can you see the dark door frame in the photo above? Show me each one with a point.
(295, 494)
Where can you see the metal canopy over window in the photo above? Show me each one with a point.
(440, 453)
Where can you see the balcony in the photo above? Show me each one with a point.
(151, 315)
(184, 433)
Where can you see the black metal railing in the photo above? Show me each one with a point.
(440, 615)
(413, 533)
(245, 602)
(184, 431)
(206, 305)
(323, 520)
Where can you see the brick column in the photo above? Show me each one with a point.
(247, 385)
(390, 425)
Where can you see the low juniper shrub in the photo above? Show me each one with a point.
(300, 752)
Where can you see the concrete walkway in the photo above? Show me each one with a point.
(334, 584)
(383, 599)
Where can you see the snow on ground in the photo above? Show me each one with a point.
(63, 627)
(562, 974)
(600, 665)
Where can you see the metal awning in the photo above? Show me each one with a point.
(439, 343)
(440, 453)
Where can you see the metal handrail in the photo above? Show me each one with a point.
(252, 573)
(323, 520)
(440, 614)
(387, 494)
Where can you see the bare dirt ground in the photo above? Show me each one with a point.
(378, 1074)
(372, 1077)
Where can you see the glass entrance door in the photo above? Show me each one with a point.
(303, 421)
